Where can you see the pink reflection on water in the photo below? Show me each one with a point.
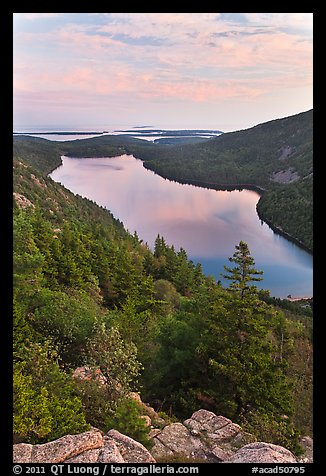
(206, 222)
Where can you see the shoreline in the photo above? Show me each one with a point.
(210, 185)
(247, 186)
(283, 233)
(283, 294)
(213, 185)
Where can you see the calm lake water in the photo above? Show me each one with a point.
(207, 223)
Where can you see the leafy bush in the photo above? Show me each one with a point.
(46, 405)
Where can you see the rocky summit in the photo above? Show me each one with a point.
(205, 437)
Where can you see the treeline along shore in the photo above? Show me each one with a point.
(250, 159)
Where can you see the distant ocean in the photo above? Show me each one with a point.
(146, 132)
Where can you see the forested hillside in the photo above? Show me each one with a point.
(275, 157)
(38, 152)
(87, 293)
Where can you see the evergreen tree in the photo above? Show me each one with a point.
(241, 350)
(241, 355)
(87, 293)
(244, 271)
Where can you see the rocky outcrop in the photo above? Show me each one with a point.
(214, 439)
(285, 152)
(204, 437)
(88, 373)
(176, 439)
(22, 453)
(59, 450)
(89, 447)
(22, 201)
(285, 176)
(262, 453)
(307, 445)
(130, 450)
(148, 413)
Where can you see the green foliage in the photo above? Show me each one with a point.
(244, 272)
(128, 420)
(300, 374)
(46, 405)
(274, 429)
(23, 332)
(175, 267)
(176, 364)
(88, 293)
(249, 159)
(32, 418)
(168, 419)
(40, 153)
(106, 402)
(290, 208)
(240, 354)
(165, 291)
(97, 404)
(116, 360)
(71, 334)
(27, 259)
(225, 351)
(103, 412)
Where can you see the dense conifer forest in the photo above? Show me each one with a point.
(87, 293)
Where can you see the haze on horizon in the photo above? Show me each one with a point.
(226, 71)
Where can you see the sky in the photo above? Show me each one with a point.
(226, 71)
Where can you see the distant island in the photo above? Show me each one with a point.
(176, 132)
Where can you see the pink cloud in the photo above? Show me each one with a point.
(78, 78)
(137, 60)
(123, 82)
(193, 43)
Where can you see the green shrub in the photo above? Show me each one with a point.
(278, 430)
(43, 414)
(128, 419)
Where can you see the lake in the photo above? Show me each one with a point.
(207, 223)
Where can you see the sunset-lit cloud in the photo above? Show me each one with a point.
(209, 64)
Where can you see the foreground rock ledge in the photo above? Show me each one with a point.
(205, 437)
(89, 447)
(262, 453)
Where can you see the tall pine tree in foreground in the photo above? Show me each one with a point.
(250, 384)
(244, 272)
